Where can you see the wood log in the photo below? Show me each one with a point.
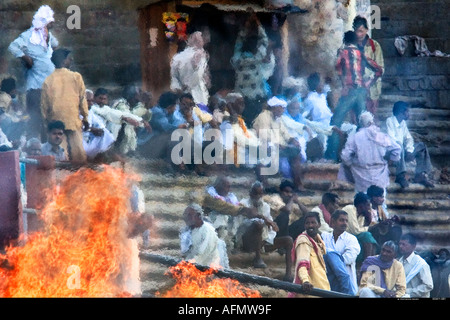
(246, 278)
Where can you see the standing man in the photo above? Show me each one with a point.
(342, 250)
(383, 276)
(397, 129)
(34, 47)
(189, 70)
(64, 99)
(253, 62)
(350, 67)
(419, 281)
(372, 50)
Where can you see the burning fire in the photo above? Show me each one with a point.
(84, 249)
(193, 283)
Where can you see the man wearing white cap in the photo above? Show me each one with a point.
(366, 155)
(35, 48)
(289, 155)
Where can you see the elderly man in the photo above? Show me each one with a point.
(288, 157)
(398, 130)
(199, 240)
(382, 276)
(126, 141)
(419, 281)
(35, 48)
(189, 70)
(366, 156)
(221, 206)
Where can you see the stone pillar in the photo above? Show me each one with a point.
(10, 198)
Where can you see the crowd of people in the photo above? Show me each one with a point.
(332, 248)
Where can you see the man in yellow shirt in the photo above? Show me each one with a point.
(310, 269)
(371, 49)
(382, 276)
(64, 99)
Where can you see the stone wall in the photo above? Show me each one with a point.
(422, 81)
(106, 48)
(426, 77)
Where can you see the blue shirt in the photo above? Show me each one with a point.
(42, 64)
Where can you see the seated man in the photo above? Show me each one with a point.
(113, 118)
(316, 106)
(33, 147)
(419, 281)
(342, 250)
(220, 206)
(258, 233)
(55, 136)
(98, 139)
(287, 210)
(387, 228)
(359, 222)
(163, 122)
(199, 241)
(243, 138)
(330, 203)
(126, 141)
(289, 150)
(310, 267)
(398, 130)
(383, 276)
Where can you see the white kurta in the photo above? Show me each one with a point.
(346, 245)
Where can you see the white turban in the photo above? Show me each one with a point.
(274, 102)
(365, 119)
(41, 19)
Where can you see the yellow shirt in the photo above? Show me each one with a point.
(355, 222)
(306, 255)
(63, 98)
(394, 277)
(377, 56)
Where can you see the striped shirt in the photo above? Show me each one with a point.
(350, 66)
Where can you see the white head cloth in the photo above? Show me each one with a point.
(274, 102)
(41, 19)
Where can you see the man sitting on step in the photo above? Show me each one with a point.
(261, 233)
(221, 206)
(398, 130)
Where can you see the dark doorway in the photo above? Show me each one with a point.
(221, 27)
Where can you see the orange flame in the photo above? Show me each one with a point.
(83, 249)
(193, 283)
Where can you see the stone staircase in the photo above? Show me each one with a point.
(423, 212)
